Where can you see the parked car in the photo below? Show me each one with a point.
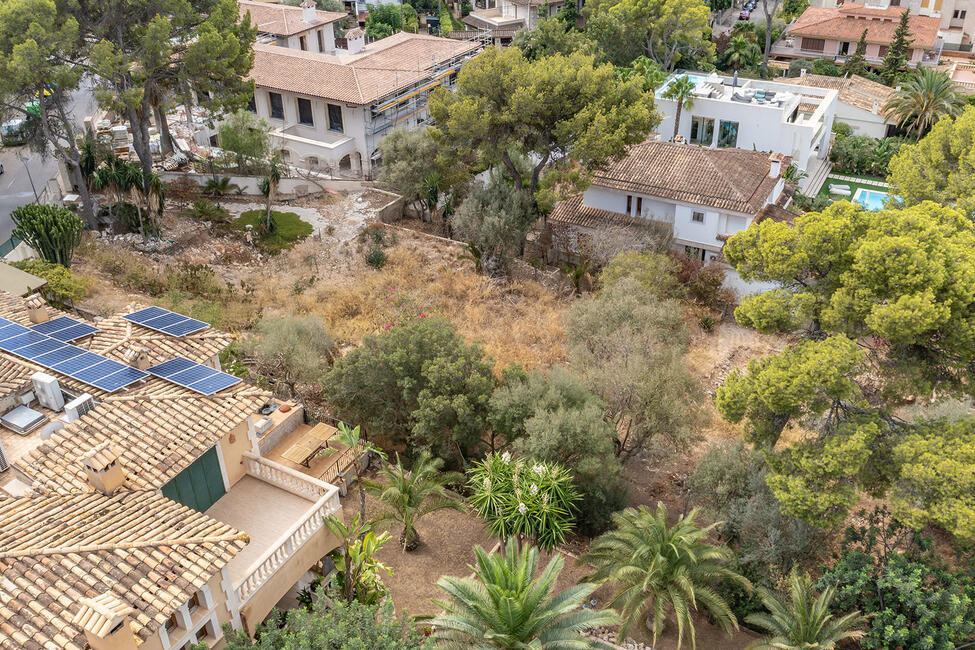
(1, 168)
(744, 15)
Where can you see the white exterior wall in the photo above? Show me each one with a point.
(311, 38)
(863, 122)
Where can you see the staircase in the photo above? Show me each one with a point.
(812, 183)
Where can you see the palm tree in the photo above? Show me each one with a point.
(219, 187)
(662, 569)
(269, 187)
(927, 96)
(410, 495)
(741, 52)
(803, 622)
(680, 90)
(505, 606)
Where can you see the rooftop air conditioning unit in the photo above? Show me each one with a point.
(48, 391)
(78, 407)
(4, 463)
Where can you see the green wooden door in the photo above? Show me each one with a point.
(199, 485)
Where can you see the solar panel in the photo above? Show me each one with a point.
(165, 321)
(65, 328)
(47, 351)
(195, 376)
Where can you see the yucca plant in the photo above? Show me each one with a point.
(524, 499)
(803, 621)
(505, 606)
(219, 187)
(663, 570)
(409, 495)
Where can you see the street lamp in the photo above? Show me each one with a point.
(24, 160)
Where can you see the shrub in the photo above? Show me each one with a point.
(291, 349)
(863, 155)
(823, 66)
(204, 210)
(797, 65)
(841, 128)
(376, 257)
(805, 203)
(54, 232)
(194, 279)
(63, 287)
(289, 229)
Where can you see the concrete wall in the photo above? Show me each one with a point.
(264, 600)
(287, 185)
(284, 424)
(232, 448)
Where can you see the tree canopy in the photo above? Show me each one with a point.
(555, 109)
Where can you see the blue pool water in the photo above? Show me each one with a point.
(870, 199)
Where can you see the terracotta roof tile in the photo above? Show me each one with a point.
(725, 179)
(847, 23)
(147, 552)
(284, 20)
(854, 90)
(400, 61)
(572, 212)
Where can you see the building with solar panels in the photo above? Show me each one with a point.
(146, 496)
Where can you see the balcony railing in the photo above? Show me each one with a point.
(325, 498)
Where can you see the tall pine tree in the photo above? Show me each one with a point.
(857, 64)
(899, 53)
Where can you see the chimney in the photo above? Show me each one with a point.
(104, 467)
(308, 13)
(802, 72)
(775, 165)
(356, 40)
(106, 623)
(876, 107)
(137, 356)
(36, 309)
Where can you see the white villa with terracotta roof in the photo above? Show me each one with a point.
(957, 25)
(833, 32)
(153, 514)
(700, 196)
(330, 108)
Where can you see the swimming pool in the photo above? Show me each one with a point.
(870, 199)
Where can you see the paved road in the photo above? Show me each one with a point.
(15, 183)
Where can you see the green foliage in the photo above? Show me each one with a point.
(203, 210)
(418, 386)
(616, 39)
(841, 128)
(655, 272)
(629, 343)
(376, 257)
(661, 570)
(912, 600)
(550, 36)
(507, 605)
(857, 62)
(554, 417)
(63, 287)
(243, 135)
(495, 219)
(940, 167)
(793, 9)
(796, 66)
(803, 621)
(925, 96)
(409, 495)
(899, 51)
(523, 497)
(805, 379)
(384, 19)
(419, 169)
(220, 187)
(673, 32)
(935, 484)
(289, 229)
(730, 482)
(358, 574)
(863, 155)
(331, 624)
(554, 110)
(826, 67)
(681, 92)
(740, 52)
(54, 232)
(291, 350)
(645, 69)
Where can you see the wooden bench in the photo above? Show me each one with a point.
(310, 444)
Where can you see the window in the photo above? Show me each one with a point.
(960, 13)
(697, 216)
(303, 42)
(195, 601)
(277, 106)
(694, 252)
(172, 623)
(629, 204)
(312, 162)
(728, 134)
(252, 104)
(639, 205)
(883, 51)
(813, 44)
(335, 118)
(702, 130)
(321, 41)
(304, 112)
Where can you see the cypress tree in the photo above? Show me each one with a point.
(899, 53)
(857, 64)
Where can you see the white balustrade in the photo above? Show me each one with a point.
(325, 498)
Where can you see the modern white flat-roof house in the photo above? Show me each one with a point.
(861, 101)
(750, 114)
(329, 111)
(700, 195)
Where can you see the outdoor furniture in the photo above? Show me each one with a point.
(310, 444)
(842, 190)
